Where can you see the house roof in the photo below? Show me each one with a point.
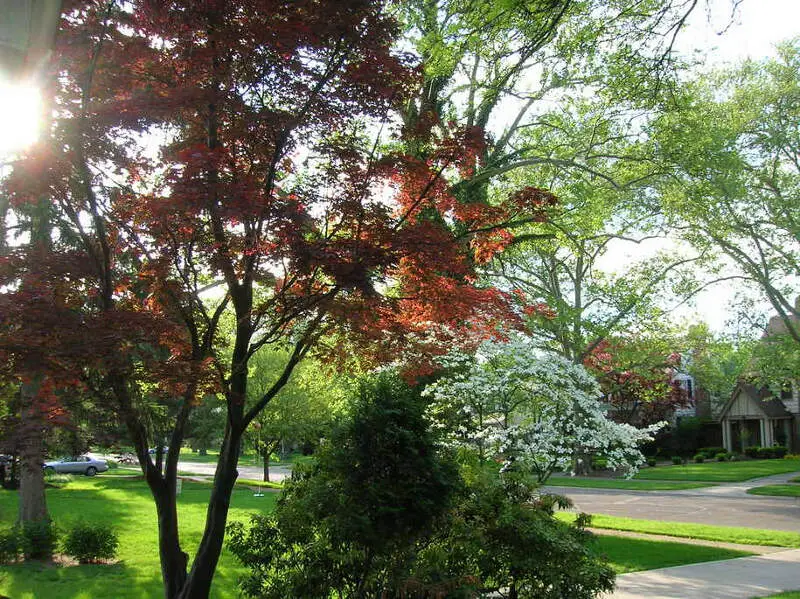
(771, 406)
(779, 326)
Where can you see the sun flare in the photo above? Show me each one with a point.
(20, 117)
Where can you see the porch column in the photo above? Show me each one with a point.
(768, 441)
(762, 429)
(726, 435)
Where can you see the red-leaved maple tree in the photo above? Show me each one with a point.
(640, 388)
(244, 158)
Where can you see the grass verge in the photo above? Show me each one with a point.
(615, 483)
(634, 555)
(251, 482)
(776, 490)
(720, 471)
(726, 534)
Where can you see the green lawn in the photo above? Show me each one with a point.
(728, 534)
(776, 490)
(616, 483)
(789, 595)
(634, 555)
(125, 502)
(720, 471)
(251, 482)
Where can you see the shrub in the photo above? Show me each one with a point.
(711, 452)
(500, 537)
(651, 462)
(383, 512)
(677, 460)
(792, 456)
(734, 457)
(780, 451)
(770, 453)
(9, 545)
(752, 451)
(56, 479)
(320, 542)
(38, 539)
(699, 458)
(599, 463)
(721, 456)
(89, 543)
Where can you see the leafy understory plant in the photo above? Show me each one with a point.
(9, 545)
(536, 411)
(38, 539)
(90, 543)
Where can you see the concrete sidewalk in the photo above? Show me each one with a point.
(741, 578)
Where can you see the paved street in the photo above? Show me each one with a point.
(724, 505)
(776, 513)
(276, 473)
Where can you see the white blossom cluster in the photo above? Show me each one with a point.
(533, 409)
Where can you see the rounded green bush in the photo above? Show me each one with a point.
(721, 457)
(90, 543)
(677, 460)
(699, 458)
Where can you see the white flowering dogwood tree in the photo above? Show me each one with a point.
(534, 410)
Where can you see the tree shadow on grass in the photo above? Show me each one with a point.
(35, 580)
(126, 504)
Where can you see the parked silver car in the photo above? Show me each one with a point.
(81, 465)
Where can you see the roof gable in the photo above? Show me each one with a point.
(749, 401)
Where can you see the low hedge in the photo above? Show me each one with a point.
(711, 453)
(776, 452)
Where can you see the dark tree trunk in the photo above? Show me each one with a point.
(32, 501)
(198, 583)
(267, 451)
(173, 560)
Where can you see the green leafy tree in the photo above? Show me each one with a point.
(350, 523)
(206, 424)
(303, 411)
(717, 361)
(732, 143)
(589, 150)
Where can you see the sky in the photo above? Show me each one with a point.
(755, 29)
